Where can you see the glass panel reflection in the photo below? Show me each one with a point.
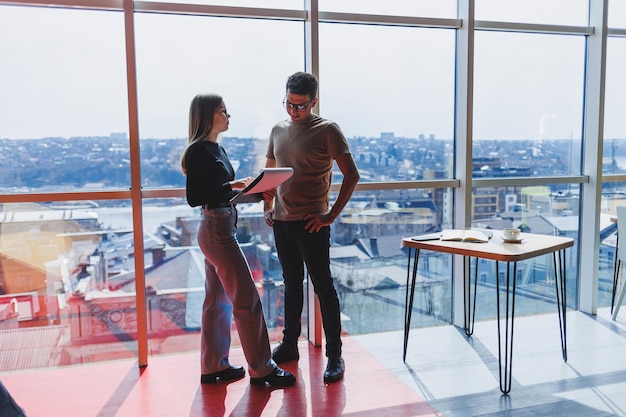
(243, 46)
(370, 264)
(524, 123)
(367, 261)
(274, 4)
(428, 8)
(59, 268)
(544, 210)
(612, 196)
(69, 92)
(556, 12)
(615, 102)
(617, 14)
(402, 124)
(613, 162)
(176, 279)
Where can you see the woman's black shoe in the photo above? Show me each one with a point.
(277, 378)
(229, 374)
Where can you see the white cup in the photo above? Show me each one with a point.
(511, 234)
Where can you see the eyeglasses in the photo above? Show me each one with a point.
(297, 107)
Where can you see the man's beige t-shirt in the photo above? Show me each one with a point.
(310, 148)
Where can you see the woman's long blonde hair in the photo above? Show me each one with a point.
(201, 111)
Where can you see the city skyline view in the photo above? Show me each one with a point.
(413, 93)
(97, 162)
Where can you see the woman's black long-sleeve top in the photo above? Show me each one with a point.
(209, 172)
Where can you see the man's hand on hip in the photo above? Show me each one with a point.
(316, 221)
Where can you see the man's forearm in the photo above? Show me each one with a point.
(351, 178)
(345, 193)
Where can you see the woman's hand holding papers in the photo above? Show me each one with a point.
(241, 183)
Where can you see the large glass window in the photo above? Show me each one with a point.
(181, 274)
(528, 87)
(391, 89)
(617, 14)
(615, 101)
(67, 268)
(246, 61)
(278, 4)
(238, 59)
(424, 8)
(613, 162)
(369, 263)
(608, 238)
(547, 210)
(64, 83)
(555, 12)
(61, 264)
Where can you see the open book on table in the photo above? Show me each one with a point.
(463, 235)
(268, 178)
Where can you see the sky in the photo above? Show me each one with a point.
(64, 72)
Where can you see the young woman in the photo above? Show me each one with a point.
(230, 290)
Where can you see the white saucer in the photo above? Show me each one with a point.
(511, 240)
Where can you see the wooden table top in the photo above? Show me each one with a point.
(497, 249)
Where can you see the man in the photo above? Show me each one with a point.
(301, 216)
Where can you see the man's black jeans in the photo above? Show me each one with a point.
(297, 247)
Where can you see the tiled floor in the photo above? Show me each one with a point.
(169, 387)
(446, 374)
(459, 375)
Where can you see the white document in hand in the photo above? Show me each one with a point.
(268, 178)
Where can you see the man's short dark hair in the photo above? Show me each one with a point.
(302, 83)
